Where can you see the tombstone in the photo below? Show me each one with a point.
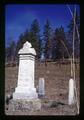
(41, 90)
(71, 98)
(25, 94)
(42, 57)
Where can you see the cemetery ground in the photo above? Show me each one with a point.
(55, 101)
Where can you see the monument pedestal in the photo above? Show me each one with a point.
(25, 95)
(19, 104)
(30, 93)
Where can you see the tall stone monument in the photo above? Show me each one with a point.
(25, 93)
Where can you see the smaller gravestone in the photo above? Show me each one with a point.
(71, 99)
(41, 90)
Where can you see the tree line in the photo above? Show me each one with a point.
(52, 44)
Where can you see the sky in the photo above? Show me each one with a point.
(18, 17)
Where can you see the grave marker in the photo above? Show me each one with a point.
(41, 87)
(71, 98)
(25, 92)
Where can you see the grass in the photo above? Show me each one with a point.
(56, 87)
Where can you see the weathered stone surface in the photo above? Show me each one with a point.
(71, 97)
(33, 104)
(25, 96)
(27, 49)
(41, 89)
(25, 87)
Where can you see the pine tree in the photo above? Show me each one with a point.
(34, 36)
(47, 39)
(20, 43)
(10, 51)
(60, 44)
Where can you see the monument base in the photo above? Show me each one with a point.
(25, 93)
(33, 104)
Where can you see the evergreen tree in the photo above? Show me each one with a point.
(20, 43)
(59, 44)
(47, 39)
(34, 36)
(10, 51)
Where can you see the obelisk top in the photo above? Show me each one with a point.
(27, 49)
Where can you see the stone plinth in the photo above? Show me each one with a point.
(25, 92)
(34, 104)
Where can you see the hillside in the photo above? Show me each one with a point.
(56, 78)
